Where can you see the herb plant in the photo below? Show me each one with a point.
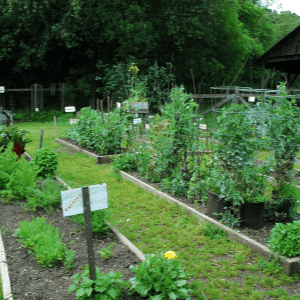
(285, 239)
(105, 253)
(160, 278)
(106, 287)
(45, 161)
(43, 241)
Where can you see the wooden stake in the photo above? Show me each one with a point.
(108, 109)
(98, 105)
(41, 138)
(102, 111)
(88, 231)
(55, 127)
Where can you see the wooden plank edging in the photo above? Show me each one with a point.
(6, 288)
(290, 265)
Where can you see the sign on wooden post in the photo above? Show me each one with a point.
(84, 200)
(41, 138)
(2, 89)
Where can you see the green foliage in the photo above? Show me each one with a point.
(228, 218)
(47, 199)
(43, 239)
(126, 162)
(270, 265)
(105, 138)
(16, 177)
(176, 186)
(15, 136)
(106, 287)
(43, 115)
(98, 217)
(45, 161)
(285, 240)
(159, 278)
(214, 232)
(105, 253)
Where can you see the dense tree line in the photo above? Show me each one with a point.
(69, 40)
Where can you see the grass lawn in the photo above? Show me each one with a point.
(220, 268)
(1, 296)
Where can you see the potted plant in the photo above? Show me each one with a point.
(220, 186)
(252, 185)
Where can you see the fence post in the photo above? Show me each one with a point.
(108, 109)
(41, 138)
(55, 127)
(98, 105)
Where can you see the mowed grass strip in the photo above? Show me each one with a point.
(221, 269)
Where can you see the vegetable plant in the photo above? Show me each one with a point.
(45, 161)
(105, 253)
(285, 239)
(105, 286)
(160, 278)
(43, 241)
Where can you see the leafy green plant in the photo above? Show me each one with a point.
(3, 230)
(47, 198)
(105, 253)
(176, 186)
(15, 136)
(45, 161)
(214, 232)
(126, 162)
(103, 287)
(70, 255)
(98, 218)
(285, 239)
(42, 240)
(159, 278)
(228, 218)
(16, 177)
(102, 137)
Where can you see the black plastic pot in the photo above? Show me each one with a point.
(215, 203)
(252, 215)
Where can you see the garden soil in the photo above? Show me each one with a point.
(32, 281)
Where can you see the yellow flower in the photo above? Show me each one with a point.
(263, 137)
(170, 254)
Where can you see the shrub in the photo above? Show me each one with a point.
(45, 161)
(126, 162)
(285, 239)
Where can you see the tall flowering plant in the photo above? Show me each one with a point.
(160, 278)
(138, 88)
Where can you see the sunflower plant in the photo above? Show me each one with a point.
(138, 88)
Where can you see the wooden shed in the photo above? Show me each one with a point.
(284, 56)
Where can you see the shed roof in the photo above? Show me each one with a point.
(284, 55)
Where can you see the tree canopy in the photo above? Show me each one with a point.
(48, 41)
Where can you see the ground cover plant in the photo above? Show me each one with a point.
(209, 261)
(44, 242)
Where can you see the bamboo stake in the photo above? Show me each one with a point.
(108, 109)
(98, 105)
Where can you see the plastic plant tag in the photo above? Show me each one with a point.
(70, 109)
(72, 121)
(137, 121)
(72, 203)
(203, 126)
(251, 99)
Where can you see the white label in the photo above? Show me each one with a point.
(36, 109)
(203, 126)
(137, 121)
(251, 99)
(72, 203)
(70, 109)
(151, 117)
(118, 104)
(72, 121)
(147, 126)
(2, 89)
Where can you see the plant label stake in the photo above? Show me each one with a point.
(84, 200)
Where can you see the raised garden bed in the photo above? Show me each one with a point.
(97, 156)
(255, 239)
(29, 280)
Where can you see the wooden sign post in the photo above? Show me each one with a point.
(84, 200)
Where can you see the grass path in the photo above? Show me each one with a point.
(221, 269)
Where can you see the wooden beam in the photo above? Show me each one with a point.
(262, 76)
